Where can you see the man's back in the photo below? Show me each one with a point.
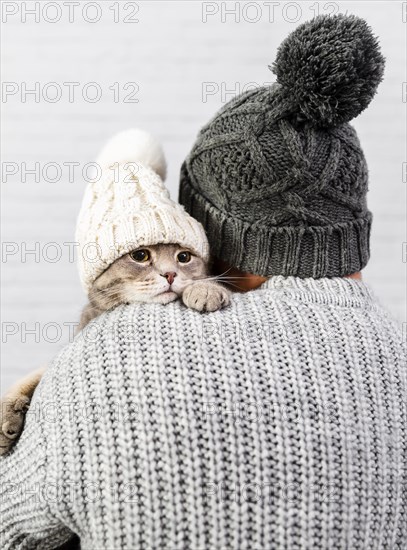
(278, 422)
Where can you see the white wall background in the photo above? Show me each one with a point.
(170, 52)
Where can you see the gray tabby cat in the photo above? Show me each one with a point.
(155, 274)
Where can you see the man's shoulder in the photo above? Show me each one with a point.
(139, 323)
(145, 314)
(132, 336)
(143, 319)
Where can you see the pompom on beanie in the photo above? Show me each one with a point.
(129, 207)
(278, 177)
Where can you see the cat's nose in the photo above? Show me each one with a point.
(170, 276)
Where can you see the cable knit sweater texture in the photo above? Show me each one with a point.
(276, 423)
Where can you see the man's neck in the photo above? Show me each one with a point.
(357, 275)
(239, 281)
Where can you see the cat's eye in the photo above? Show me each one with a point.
(184, 257)
(141, 255)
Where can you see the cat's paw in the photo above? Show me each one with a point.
(12, 415)
(206, 296)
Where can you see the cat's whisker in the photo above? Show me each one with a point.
(231, 284)
(218, 278)
(210, 278)
(231, 278)
(225, 272)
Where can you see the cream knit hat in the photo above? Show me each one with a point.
(129, 207)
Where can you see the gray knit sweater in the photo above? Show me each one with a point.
(277, 423)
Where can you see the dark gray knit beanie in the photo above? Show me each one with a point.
(278, 177)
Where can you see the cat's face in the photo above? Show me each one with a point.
(158, 273)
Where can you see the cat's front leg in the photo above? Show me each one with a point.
(13, 408)
(206, 296)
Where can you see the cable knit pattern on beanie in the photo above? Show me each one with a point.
(278, 177)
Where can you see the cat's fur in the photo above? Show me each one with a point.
(161, 279)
